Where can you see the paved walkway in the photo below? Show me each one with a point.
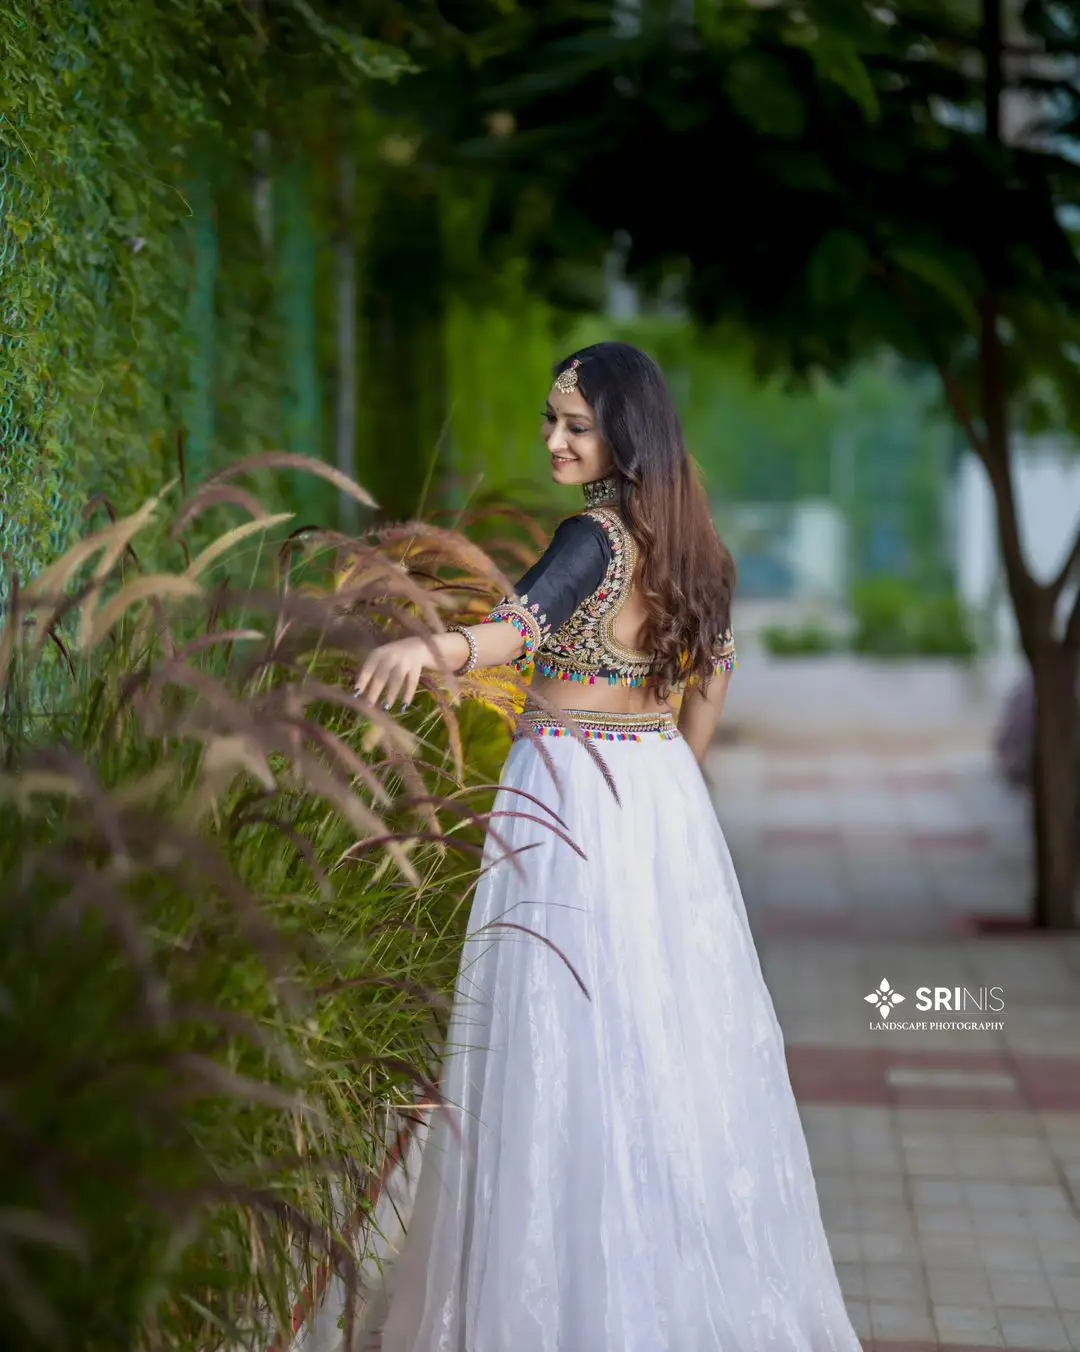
(947, 1161)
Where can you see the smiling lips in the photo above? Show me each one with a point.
(562, 459)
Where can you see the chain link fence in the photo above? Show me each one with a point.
(31, 491)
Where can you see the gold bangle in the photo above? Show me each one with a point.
(470, 662)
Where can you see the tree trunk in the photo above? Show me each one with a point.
(1055, 787)
(1053, 660)
(345, 430)
(298, 251)
(403, 356)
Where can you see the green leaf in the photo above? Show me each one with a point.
(936, 273)
(375, 60)
(760, 90)
(837, 267)
(839, 63)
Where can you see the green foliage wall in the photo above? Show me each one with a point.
(147, 307)
(500, 372)
(94, 108)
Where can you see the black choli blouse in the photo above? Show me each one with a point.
(565, 606)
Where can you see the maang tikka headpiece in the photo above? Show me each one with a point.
(566, 382)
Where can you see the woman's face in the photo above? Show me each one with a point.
(579, 454)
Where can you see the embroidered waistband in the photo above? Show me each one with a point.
(603, 726)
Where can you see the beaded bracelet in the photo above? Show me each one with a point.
(504, 615)
(470, 662)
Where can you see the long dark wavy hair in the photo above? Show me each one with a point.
(686, 574)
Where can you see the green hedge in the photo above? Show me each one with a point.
(892, 617)
(96, 109)
(145, 307)
(805, 641)
(895, 618)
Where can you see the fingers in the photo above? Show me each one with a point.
(410, 690)
(395, 681)
(384, 676)
(370, 681)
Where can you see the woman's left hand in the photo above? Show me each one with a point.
(393, 669)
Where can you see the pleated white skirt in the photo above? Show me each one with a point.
(629, 1172)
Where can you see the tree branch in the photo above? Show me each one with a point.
(1031, 605)
(989, 442)
(1071, 641)
(1072, 627)
(957, 401)
(1072, 562)
(994, 74)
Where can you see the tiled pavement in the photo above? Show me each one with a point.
(947, 1162)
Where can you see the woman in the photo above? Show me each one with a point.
(626, 1170)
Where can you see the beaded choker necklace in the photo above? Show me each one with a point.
(601, 490)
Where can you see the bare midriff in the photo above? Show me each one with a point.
(599, 698)
(603, 697)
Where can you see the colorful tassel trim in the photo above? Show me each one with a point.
(588, 677)
(600, 727)
(596, 735)
(528, 636)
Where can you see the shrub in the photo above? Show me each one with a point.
(811, 639)
(895, 618)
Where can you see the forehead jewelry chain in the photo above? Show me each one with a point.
(566, 382)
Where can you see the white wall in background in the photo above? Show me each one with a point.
(788, 551)
(819, 546)
(1047, 486)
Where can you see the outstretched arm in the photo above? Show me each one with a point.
(394, 668)
(568, 572)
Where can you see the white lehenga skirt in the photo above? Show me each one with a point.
(629, 1171)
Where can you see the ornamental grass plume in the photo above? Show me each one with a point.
(232, 896)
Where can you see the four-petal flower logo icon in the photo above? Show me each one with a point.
(884, 998)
